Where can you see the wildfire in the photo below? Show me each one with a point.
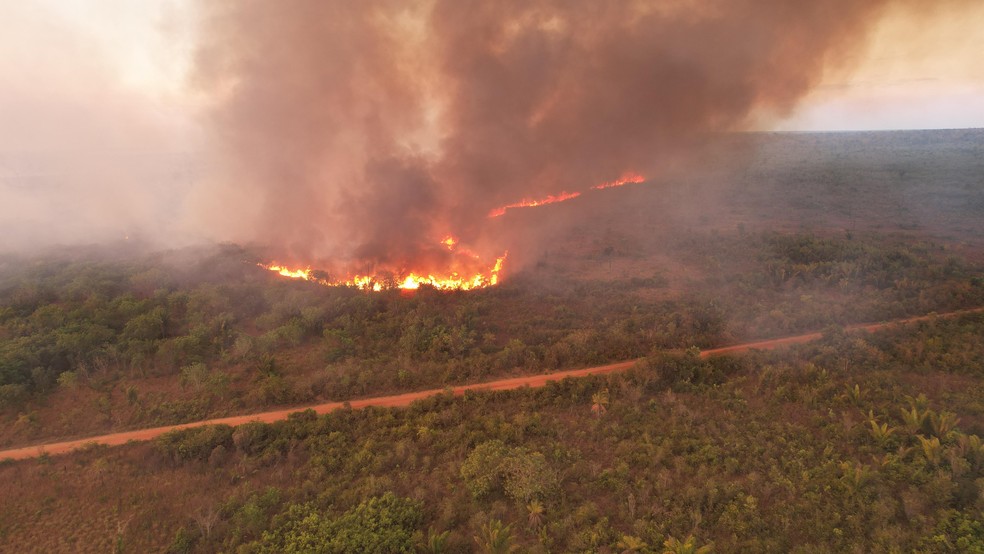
(625, 179)
(408, 280)
(292, 273)
(533, 203)
(477, 276)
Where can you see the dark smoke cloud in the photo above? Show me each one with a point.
(365, 130)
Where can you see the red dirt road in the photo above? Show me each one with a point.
(407, 398)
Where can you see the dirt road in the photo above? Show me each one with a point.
(407, 398)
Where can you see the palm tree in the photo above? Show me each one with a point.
(943, 423)
(856, 475)
(854, 394)
(687, 546)
(495, 538)
(931, 449)
(913, 419)
(972, 448)
(918, 413)
(437, 543)
(599, 402)
(535, 508)
(881, 433)
(630, 544)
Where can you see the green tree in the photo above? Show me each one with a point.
(147, 326)
(481, 470)
(527, 476)
(520, 474)
(68, 380)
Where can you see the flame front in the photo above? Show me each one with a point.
(410, 280)
(287, 272)
(626, 178)
(528, 203)
(413, 280)
(450, 280)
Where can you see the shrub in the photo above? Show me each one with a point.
(383, 524)
(194, 444)
(522, 475)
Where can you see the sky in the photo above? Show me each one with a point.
(919, 72)
(925, 71)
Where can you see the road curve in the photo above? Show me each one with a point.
(406, 399)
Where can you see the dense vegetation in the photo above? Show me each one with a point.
(144, 342)
(856, 442)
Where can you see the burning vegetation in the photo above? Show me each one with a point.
(400, 280)
(469, 273)
(463, 270)
(531, 203)
(626, 178)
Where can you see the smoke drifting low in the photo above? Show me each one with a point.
(83, 157)
(366, 130)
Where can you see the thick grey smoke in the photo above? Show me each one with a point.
(366, 130)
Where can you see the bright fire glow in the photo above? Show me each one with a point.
(529, 203)
(406, 281)
(413, 280)
(625, 179)
(292, 273)
(480, 276)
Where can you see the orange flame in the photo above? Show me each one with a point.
(528, 203)
(626, 178)
(411, 280)
(287, 272)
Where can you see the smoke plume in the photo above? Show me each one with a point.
(367, 130)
